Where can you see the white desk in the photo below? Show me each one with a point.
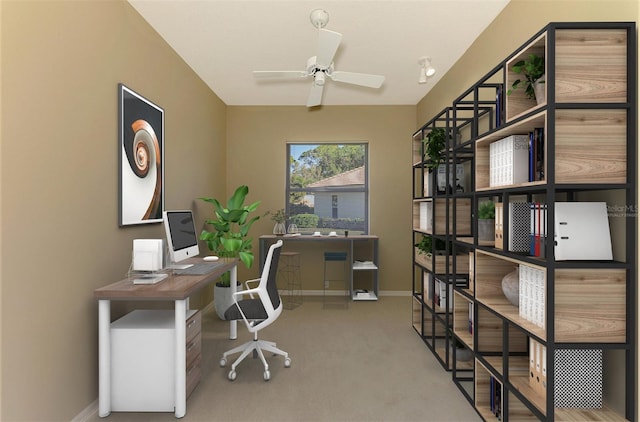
(177, 288)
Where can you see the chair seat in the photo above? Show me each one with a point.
(252, 308)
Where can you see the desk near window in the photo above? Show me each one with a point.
(358, 263)
(177, 288)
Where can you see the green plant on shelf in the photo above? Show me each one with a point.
(427, 246)
(434, 144)
(532, 69)
(486, 210)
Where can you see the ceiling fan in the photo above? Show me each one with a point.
(321, 66)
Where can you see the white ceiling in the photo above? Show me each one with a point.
(225, 40)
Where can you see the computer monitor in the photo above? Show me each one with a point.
(181, 236)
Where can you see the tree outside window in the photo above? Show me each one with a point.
(327, 187)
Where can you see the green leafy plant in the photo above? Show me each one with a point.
(279, 216)
(532, 69)
(486, 210)
(426, 245)
(434, 144)
(229, 237)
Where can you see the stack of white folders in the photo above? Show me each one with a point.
(532, 294)
(509, 161)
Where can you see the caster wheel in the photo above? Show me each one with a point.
(287, 362)
(267, 375)
(223, 362)
(232, 375)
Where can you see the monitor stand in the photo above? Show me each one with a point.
(149, 278)
(180, 266)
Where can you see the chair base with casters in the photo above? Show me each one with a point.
(258, 313)
(258, 347)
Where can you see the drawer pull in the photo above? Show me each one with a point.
(191, 324)
(191, 369)
(191, 346)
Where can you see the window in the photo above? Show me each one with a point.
(328, 187)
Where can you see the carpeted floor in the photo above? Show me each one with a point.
(360, 363)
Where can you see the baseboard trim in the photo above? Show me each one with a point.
(340, 293)
(88, 413)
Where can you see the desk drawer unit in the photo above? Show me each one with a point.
(143, 360)
(194, 351)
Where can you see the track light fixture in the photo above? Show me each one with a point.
(426, 70)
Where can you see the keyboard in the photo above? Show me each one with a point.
(199, 269)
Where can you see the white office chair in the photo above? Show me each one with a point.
(258, 313)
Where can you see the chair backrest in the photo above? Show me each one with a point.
(268, 282)
(272, 285)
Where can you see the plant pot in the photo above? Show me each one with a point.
(486, 230)
(279, 229)
(222, 299)
(539, 90)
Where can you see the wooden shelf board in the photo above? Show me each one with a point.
(507, 310)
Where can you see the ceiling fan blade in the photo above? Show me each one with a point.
(362, 79)
(315, 96)
(279, 74)
(328, 42)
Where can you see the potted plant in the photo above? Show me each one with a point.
(426, 246)
(434, 145)
(229, 239)
(532, 69)
(486, 221)
(279, 217)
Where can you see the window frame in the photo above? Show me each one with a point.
(364, 189)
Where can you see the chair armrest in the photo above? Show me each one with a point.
(248, 288)
(246, 292)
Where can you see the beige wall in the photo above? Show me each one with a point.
(518, 22)
(256, 140)
(61, 63)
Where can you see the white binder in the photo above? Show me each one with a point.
(582, 231)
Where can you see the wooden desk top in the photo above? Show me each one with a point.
(308, 237)
(174, 287)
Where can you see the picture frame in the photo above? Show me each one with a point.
(141, 159)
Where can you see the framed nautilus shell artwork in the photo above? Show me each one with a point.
(141, 133)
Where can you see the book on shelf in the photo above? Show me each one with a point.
(456, 178)
(499, 106)
(519, 226)
(499, 218)
(538, 367)
(536, 154)
(509, 161)
(538, 229)
(495, 397)
(444, 290)
(531, 300)
(425, 216)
